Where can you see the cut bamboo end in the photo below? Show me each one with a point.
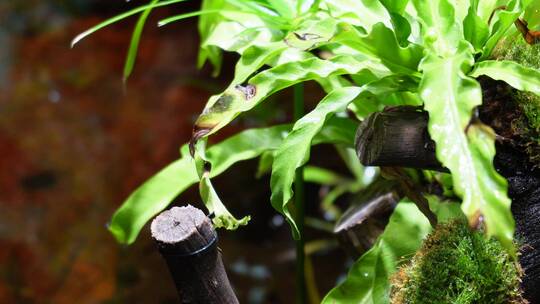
(187, 241)
(397, 139)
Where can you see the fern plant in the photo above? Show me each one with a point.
(365, 54)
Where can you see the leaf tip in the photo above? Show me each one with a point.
(75, 40)
(80, 37)
(119, 234)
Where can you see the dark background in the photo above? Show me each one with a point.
(74, 142)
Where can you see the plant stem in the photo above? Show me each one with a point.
(300, 206)
(311, 283)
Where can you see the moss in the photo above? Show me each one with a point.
(528, 133)
(529, 55)
(530, 104)
(457, 265)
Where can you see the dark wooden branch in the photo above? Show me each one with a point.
(363, 222)
(397, 138)
(411, 189)
(188, 242)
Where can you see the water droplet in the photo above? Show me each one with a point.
(277, 220)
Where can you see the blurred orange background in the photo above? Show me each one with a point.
(74, 142)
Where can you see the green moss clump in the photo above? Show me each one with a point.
(530, 103)
(456, 265)
(528, 55)
(517, 49)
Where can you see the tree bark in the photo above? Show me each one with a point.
(524, 190)
(188, 242)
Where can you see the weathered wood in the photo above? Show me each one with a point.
(397, 138)
(363, 222)
(188, 242)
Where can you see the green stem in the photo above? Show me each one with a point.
(300, 206)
